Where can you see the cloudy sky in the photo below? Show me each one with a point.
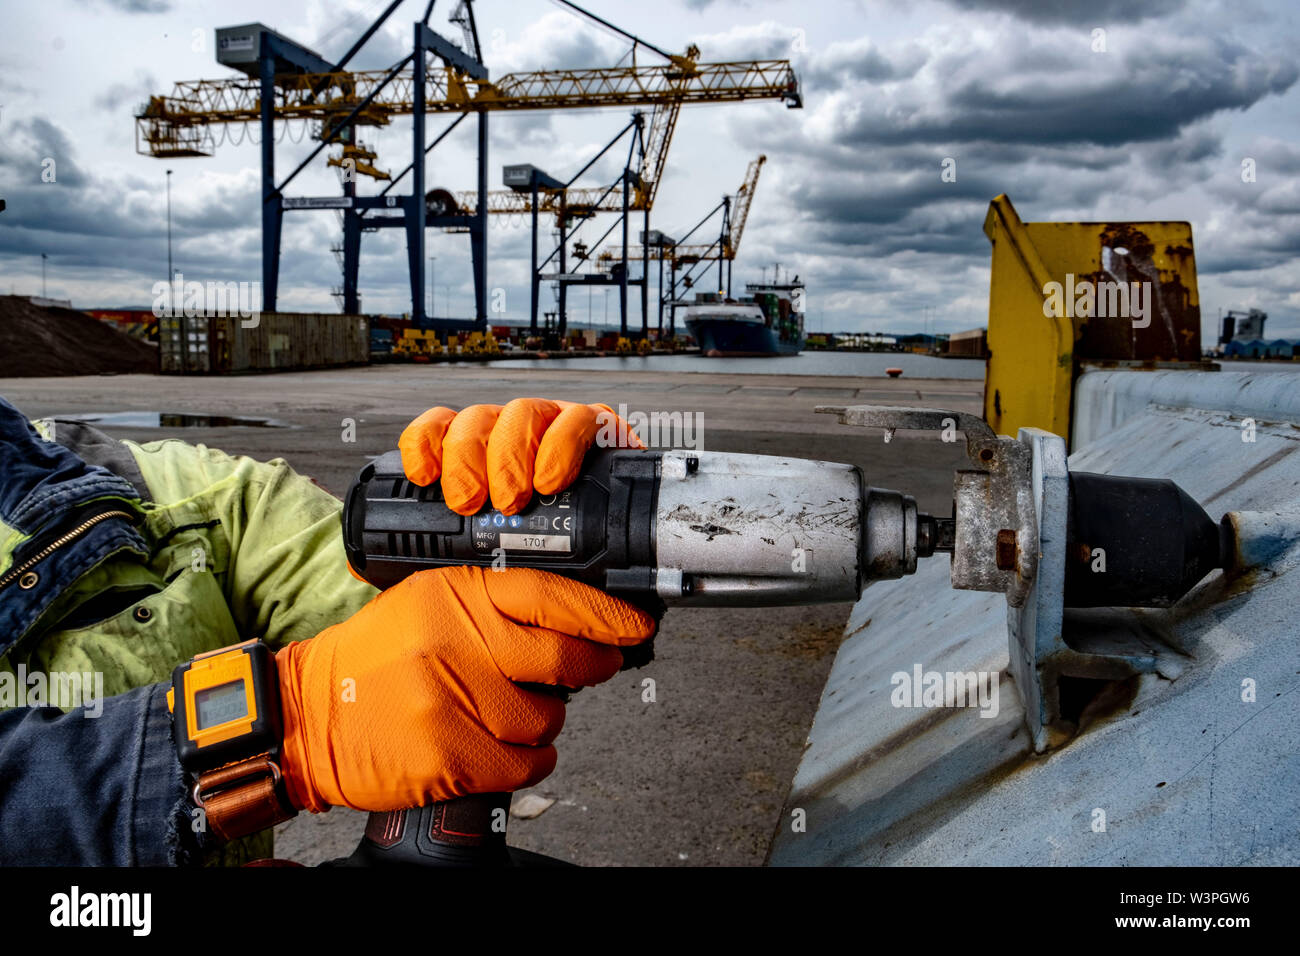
(1156, 125)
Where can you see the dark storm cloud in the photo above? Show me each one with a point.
(117, 96)
(385, 48)
(874, 197)
(863, 60)
(880, 222)
(866, 188)
(557, 42)
(1083, 12)
(897, 200)
(766, 41)
(132, 6)
(1275, 161)
(25, 149)
(1089, 12)
(1071, 95)
(532, 129)
(230, 206)
(1192, 148)
(99, 222)
(852, 196)
(1067, 133)
(1263, 215)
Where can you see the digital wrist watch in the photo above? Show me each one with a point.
(228, 729)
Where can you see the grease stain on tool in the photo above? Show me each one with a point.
(167, 420)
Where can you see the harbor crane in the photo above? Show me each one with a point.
(283, 80)
(679, 253)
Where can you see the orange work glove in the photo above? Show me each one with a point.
(506, 451)
(413, 699)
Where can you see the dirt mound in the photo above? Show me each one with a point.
(42, 340)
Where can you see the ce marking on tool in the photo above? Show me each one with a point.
(562, 523)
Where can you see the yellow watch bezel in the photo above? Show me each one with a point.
(216, 669)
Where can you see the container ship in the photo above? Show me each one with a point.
(768, 321)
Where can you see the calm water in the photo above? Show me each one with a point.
(1249, 366)
(866, 364)
(167, 420)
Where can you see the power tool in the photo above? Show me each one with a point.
(692, 527)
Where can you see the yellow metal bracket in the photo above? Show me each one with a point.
(1053, 294)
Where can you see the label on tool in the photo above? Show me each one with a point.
(536, 542)
(548, 524)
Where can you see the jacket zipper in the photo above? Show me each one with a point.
(60, 541)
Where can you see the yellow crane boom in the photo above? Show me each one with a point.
(740, 204)
(584, 200)
(181, 123)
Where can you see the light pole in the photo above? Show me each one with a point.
(171, 276)
(43, 257)
(433, 289)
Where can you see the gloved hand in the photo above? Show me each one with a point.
(432, 711)
(506, 451)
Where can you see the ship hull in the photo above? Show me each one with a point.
(720, 338)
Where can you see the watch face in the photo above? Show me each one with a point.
(226, 707)
(220, 704)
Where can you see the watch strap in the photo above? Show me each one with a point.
(243, 797)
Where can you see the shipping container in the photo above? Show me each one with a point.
(973, 342)
(137, 323)
(278, 341)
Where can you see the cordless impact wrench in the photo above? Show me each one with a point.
(679, 528)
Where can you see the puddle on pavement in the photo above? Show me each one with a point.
(168, 420)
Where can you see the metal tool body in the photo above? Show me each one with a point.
(682, 528)
(670, 528)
